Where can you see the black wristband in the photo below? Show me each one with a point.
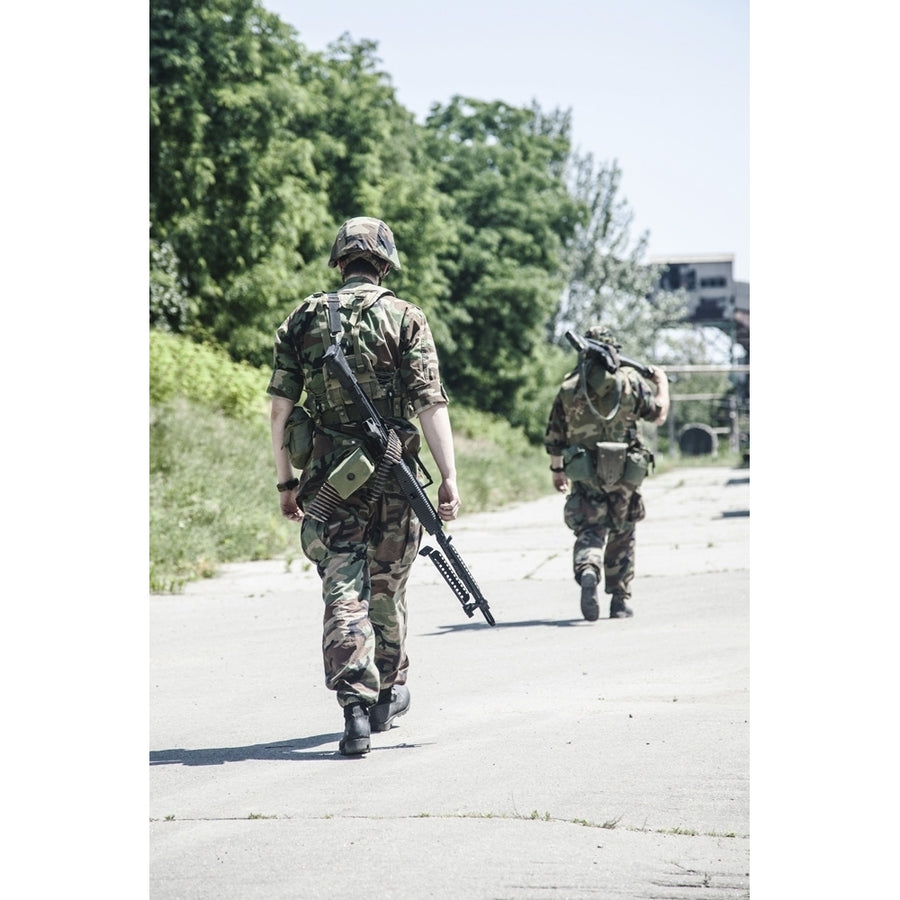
(288, 485)
(555, 469)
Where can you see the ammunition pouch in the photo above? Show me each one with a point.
(608, 464)
(639, 461)
(298, 437)
(578, 463)
(351, 473)
(611, 457)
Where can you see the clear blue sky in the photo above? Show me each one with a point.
(662, 86)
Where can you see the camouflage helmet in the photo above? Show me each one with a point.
(602, 334)
(364, 236)
(600, 367)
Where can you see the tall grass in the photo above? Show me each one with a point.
(212, 486)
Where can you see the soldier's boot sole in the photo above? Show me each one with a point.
(589, 608)
(355, 741)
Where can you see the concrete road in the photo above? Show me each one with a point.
(545, 757)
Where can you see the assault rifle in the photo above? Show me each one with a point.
(452, 568)
(608, 354)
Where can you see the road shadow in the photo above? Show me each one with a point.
(736, 513)
(298, 749)
(525, 623)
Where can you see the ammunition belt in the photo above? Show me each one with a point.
(324, 503)
(392, 455)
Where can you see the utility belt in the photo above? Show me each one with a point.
(608, 463)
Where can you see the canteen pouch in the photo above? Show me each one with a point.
(611, 462)
(298, 437)
(578, 464)
(638, 463)
(351, 473)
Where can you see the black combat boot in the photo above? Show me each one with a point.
(618, 608)
(392, 702)
(355, 741)
(589, 608)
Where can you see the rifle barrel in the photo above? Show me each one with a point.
(453, 569)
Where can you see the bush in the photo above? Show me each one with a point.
(206, 374)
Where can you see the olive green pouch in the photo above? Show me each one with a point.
(611, 462)
(351, 473)
(298, 437)
(578, 463)
(638, 463)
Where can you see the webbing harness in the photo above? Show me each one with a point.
(327, 498)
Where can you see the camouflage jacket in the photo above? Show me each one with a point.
(387, 342)
(573, 421)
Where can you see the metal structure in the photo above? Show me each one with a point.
(715, 300)
(736, 412)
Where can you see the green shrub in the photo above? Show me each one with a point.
(179, 367)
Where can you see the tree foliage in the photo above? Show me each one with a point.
(502, 166)
(607, 283)
(374, 162)
(233, 187)
(260, 148)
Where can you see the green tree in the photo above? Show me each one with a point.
(607, 281)
(233, 187)
(170, 307)
(503, 168)
(373, 158)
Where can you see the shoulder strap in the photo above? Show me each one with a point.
(334, 317)
(334, 320)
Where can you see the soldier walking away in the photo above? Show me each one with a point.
(594, 445)
(355, 524)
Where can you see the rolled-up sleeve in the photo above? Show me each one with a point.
(648, 407)
(419, 369)
(555, 437)
(287, 376)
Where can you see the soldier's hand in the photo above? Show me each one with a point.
(448, 500)
(289, 508)
(561, 482)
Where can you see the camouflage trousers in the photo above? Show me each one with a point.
(364, 555)
(604, 526)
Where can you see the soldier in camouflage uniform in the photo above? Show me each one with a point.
(363, 546)
(593, 442)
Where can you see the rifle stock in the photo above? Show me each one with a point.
(583, 345)
(450, 564)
